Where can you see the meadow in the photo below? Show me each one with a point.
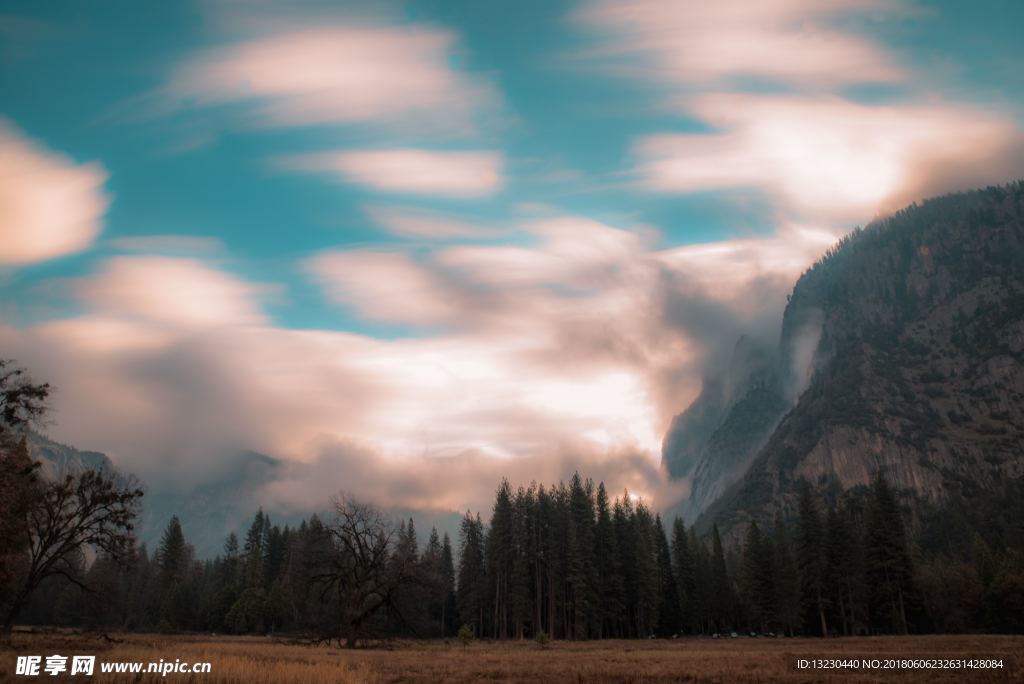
(268, 660)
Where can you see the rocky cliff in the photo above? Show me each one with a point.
(902, 351)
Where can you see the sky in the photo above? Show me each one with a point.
(416, 247)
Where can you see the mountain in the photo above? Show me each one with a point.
(56, 459)
(208, 511)
(902, 351)
(714, 440)
(212, 509)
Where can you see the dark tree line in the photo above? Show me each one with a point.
(564, 560)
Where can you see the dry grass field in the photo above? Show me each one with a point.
(250, 660)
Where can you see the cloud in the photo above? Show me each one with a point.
(469, 478)
(383, 286)
(459, 174)
(828, 158)
(177, 291)
(682, 42)
(49, 205)
(576, 362)
(338, 72)
(426, 224)
(572, 252)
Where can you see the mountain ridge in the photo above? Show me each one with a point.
(909, 335)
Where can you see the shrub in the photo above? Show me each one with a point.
(465, 635)
(542, 638)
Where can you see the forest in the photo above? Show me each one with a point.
(564, 561)
(560, 562)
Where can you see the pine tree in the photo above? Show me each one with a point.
(500, 555)
(647, 577)
(722, 597)
(606, 557)
(253, 567)
(758, 578)
(622, 522)
(669, 621)
(582, 576)
(433, 578)
(810, 554)
(889, 570)
(449, 609)
(702, 603)
(685, 571)
(173, 556)
(787, 582)
(470, 593)
(520, 599)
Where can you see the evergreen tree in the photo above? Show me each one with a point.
(500, 557)
(810, 554)
(471, 589)
(685, 571)
(722, 599)
(758, 579)
(520, 599)
(449, 610)
(582, 575)
(844, 571)
(173, 555)
(669, 620)
(888, 570)
(608, 571)
(787, 582)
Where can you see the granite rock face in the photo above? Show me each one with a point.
(902, 351)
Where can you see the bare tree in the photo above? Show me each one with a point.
(48, 527)
(93, 510)
(364, 567)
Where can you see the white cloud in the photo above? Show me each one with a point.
(178, 291)
(579, 364)
(714, 43)
(825, 157)
(426, 224)
(383, 286)
(49, 205)
(338, 73)
(407, 171)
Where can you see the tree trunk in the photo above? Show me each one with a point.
(821, 615)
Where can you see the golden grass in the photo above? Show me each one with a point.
(257, 660)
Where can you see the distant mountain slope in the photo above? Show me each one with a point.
(714, 440)
(909, 337)
(58, 459)
(208, 512)
(212, 509)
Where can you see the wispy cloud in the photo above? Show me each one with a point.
(50, 206)
(338, 73)
(427, 224)
(177, 291)
(384, 286)
(578, 363)
(771, 81)
(409, 171)
(682, 42)
(826, 157)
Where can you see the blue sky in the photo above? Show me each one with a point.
(512, 193)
